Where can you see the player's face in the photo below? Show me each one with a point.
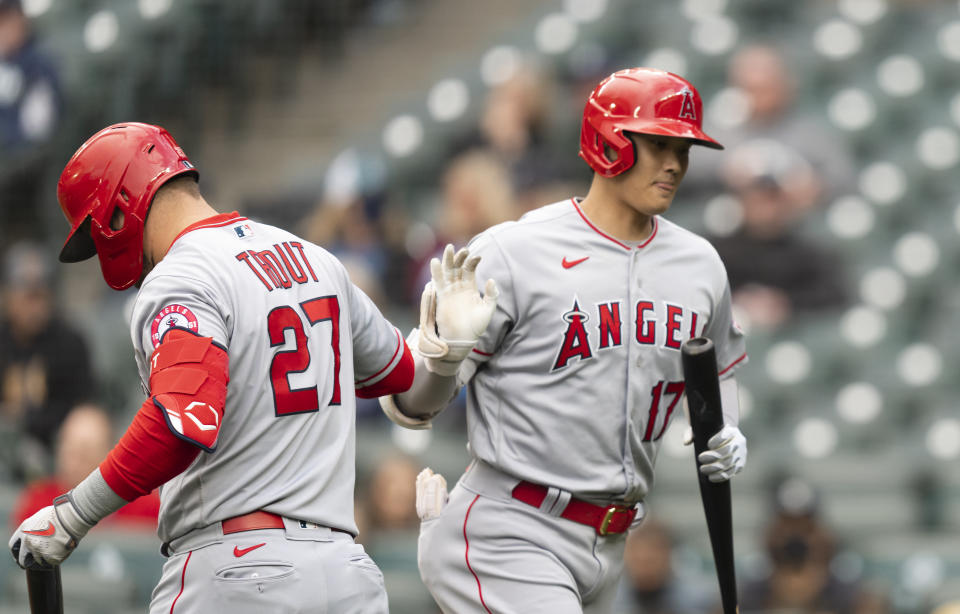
(651, 183)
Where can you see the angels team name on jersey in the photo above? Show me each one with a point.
(280, 267)
(576, 338)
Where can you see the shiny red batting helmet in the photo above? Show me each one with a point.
(641, 100)
(120, 167)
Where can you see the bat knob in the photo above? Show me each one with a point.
(696, 346)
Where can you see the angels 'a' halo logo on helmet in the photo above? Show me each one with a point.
(641, 100)
(116, 171)
(688, 110)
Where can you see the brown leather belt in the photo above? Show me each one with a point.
(252, 522)
(607, 520)
(262, 520)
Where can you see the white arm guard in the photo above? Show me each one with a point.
(389, 406)
(428, 394)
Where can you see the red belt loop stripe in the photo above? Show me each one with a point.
(252, 522)
(607, 520)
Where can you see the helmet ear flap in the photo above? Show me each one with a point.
(616, 141)
(596, 139)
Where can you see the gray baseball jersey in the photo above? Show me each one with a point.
(300, 336)
(579, 373)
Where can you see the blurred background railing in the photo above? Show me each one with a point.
(382, 129)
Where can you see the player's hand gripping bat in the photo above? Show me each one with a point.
(706, 418)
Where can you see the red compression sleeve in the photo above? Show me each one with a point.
(147, 455)
(398, 380)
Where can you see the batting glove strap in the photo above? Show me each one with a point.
(70, 517)
(726, 454)
(446, 363)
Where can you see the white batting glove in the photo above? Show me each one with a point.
(431, 494)
(726, 455)
(48, 537)
(453, 314)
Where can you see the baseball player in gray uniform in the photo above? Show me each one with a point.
(250, 344)
(574, 372)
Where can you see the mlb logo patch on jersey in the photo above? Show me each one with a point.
(243, 230)
(169, 317)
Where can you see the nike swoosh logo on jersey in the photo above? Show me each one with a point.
(572, 263)
(238, 552)
(50, 530)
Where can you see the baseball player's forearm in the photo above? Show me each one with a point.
(94, 499)
(429, 394)
(147, 455)
(730, 401)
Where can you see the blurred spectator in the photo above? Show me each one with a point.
(84, 440)
(476, 194)
(514, 127)
(45, 366)
(30, 106)
(349, 230)
(392, 496)
(774, 271)
(762, 75)
(650, 584)
(388, 524)
(801, 549)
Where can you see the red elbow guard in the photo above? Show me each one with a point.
(188, 381)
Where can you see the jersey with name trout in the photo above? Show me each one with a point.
(578, 375)
(300, 338)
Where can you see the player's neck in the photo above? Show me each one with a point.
(167, 219)
(615, 217)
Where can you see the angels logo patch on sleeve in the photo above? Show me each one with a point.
(169, 317)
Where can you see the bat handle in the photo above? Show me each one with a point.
(45, 590)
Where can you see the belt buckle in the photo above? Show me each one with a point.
(608, 518)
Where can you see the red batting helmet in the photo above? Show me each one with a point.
(120, 167)
(642, 100)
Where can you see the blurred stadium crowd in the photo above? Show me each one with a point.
(836, 208)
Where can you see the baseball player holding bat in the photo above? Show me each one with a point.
(250, 343)
(573, 382)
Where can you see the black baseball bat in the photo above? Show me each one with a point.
(706, 418)
(45, 590)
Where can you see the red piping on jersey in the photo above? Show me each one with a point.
(482, 353)
(656, 226)
(731, 365)
(221, 219)
(466, 555)
(387, 366)
(606, 236)
(183, 578)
